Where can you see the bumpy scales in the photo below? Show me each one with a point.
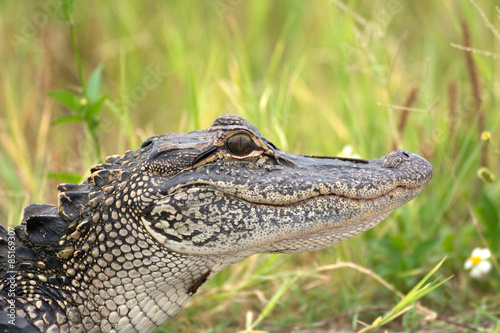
(126, 249)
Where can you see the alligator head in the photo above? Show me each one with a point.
(126, 249)
(228, 190)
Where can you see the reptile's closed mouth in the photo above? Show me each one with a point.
(398, 191)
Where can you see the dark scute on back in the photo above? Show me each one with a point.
(43, 224)
(45, 229)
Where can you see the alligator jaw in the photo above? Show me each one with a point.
(366, 214)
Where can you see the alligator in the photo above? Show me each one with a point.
(126, 249)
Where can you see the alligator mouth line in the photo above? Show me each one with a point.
(398, 191)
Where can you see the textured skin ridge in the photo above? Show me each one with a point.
(126, 249)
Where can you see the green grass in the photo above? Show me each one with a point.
(311, 76)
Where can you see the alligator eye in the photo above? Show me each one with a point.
(147, 143)
(240, 144)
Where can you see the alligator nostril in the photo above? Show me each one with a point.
(396, 158)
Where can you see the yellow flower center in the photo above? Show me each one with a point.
(475, 260)
(486, 136)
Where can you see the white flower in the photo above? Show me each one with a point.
(478, 263)
(347, 151)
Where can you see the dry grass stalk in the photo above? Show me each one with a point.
(403, 117)
(410, 99)
(487, 22)
(476, 51)
(452, 105)
(476, 90)
(471, 67)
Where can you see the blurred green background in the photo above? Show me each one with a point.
(316, 77)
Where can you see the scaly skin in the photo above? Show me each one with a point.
(126, 249)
